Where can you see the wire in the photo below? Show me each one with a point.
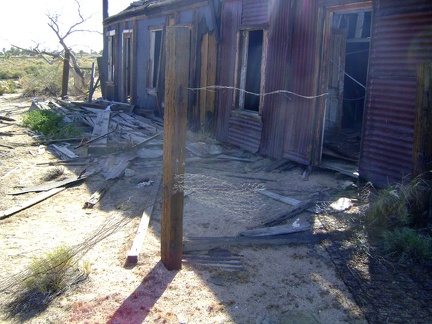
(217, 87)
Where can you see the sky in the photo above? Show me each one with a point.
(24, 23)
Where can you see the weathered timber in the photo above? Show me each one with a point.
(275, 196)
(30, 202)
(297, 209)
(207, 243)
(7, 119)
(133, 254)
(96, 138)
(277, 230)
(176, 103)
(98, 194)
(63, 152)
(49, 185)
(422, 151)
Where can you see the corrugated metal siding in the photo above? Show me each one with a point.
(301, 114)
(230, 20)
(245, 132)
(276, 78)
(402, 33)
(255, 12)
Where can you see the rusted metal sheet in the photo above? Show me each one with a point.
(245, 133)
(230, 20)
(300, 119)
(275, 108)
(401, 39)
(255, 12)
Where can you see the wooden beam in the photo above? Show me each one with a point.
(133, 254)
(30, 202)
(422, 150)
(174, 148)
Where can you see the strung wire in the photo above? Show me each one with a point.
(285, 92)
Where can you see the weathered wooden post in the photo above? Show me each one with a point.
(91, 89)
(423, 123)
(65, 78)
(174, 147)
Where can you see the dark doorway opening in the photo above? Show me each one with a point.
(348, 69)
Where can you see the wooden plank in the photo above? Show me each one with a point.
(297, 209)
(133, 254)
(203, 80)
(275, 196)
(101, 126)
(49, 185)
(30, 202)
(63, 152)
(278, 230)
(207, 243)
(98, 194)
(422, 150)
(176, 104)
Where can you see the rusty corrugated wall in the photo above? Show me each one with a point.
(402, 38)
(300, 125)
(255, 12)
(230, 20)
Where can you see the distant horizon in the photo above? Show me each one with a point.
(32, 29)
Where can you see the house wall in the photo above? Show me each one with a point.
(402, 34)
(192, 13)
(286, 126)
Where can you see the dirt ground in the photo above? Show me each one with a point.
(320, 281)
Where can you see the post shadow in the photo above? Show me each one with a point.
(138, 305)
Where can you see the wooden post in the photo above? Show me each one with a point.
(91, 90)
(65, 78)
(423, 126)
(174, 147)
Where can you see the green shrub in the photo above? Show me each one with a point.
(406, 245)
(48, 123)
(50, 273)
(7, 86)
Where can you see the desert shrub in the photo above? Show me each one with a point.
(398, 205)
(48, 123)
(46, 79)
(45, 278)
(7, 86)
(407, 245)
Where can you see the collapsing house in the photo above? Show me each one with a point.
(308, 81)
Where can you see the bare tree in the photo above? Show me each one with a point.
(68, 58)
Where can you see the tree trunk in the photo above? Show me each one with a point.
(65, 79)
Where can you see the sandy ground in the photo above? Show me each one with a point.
(289, 283)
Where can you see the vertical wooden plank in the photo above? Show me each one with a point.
(175, 124)
(203, 80)
(65, 78)
(211, 73)
(423, 126)
(91, 89)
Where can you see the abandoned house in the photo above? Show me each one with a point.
(342, 83)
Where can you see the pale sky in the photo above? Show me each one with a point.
(24, 23)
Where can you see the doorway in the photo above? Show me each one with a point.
(348, 57)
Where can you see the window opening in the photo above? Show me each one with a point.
(127, 62)
(249, 69)
(155, 56)
(111, 51)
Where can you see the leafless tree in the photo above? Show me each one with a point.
(68, 58)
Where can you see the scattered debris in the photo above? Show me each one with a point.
(30, 202)
(50, 185)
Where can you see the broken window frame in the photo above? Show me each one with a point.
(111, 55)
(241, 69)
(154, 61)
(127, 55)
